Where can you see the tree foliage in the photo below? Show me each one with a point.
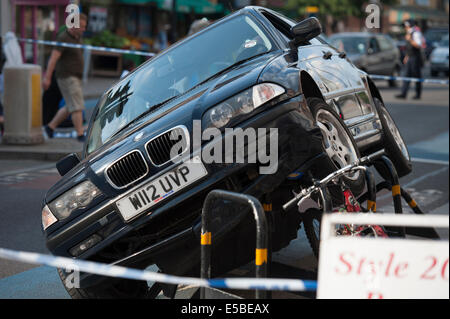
(336, 8)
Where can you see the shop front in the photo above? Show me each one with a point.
(37, 19)
(143, 25)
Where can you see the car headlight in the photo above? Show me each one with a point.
(242, 103)
(48, 218)
(78, 197)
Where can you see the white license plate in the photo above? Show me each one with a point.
(160, 188)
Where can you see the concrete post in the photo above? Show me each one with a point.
(23, 105)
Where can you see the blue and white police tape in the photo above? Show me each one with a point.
(87, 47)
(136, 274)
(402, 78)
(149, 54)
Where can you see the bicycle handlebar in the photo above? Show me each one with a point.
(359, 164)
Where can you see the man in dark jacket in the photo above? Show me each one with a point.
(413, 58)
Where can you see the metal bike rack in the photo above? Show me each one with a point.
(391, 183)
(262, 234)
(398, 193)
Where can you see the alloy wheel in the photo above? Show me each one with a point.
(337, 143)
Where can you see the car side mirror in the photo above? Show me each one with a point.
(67, 163)
(306, 30)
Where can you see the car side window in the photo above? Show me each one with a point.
(384, 43)
(373, 46)
(281, 26)
(284, 27)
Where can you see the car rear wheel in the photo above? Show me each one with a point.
(393, 143)
(338, 143)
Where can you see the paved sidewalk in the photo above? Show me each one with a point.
(52, 150)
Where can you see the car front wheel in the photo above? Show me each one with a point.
(338, 143)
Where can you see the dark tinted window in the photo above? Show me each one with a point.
(385, 43)
(350, 44)
(373, 45)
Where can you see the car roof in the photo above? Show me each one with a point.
(356, 34)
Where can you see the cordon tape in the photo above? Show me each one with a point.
(136, 274)
(149, 54)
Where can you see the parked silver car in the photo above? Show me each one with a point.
(439, 58)
(372, 53)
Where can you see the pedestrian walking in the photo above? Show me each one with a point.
(413, 59)
(67, 63)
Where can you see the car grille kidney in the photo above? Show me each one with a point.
(159, 148)
(127, 170)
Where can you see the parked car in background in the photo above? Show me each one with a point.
(439, 58)
(372, 53)
(433, 37)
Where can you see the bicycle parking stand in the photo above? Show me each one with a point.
(262, 234)
(416, 231)
(395, 190)
(393, 185)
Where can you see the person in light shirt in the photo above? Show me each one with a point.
(413, 60)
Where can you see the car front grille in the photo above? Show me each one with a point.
(127, 170)
(159, 148)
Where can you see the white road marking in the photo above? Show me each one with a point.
(429, 161)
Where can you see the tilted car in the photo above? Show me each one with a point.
(132, 200)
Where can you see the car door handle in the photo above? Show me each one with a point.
(342, 55)
(327, 55)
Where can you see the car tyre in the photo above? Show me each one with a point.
(336, 133)
(393, 143)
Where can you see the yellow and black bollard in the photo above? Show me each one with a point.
(395, 189)
(261, 236)
(371, 191)
(268, 209)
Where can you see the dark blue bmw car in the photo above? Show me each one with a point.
(166, 135)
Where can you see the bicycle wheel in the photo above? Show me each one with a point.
(312, 222)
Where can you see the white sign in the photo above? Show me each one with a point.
(382, 268)
(98, 19)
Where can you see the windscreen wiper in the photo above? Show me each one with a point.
(230, 67)
(142, 115)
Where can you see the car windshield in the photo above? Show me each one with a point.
(174, 72)
(351, 45)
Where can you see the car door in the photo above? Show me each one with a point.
(389, 55)
(374, 57)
